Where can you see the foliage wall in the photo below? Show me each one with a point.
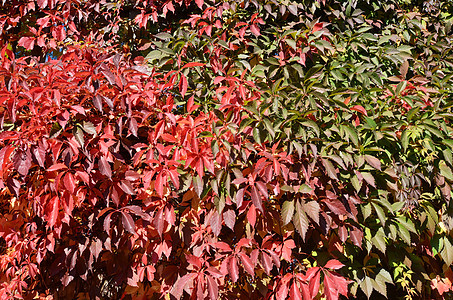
(226, 149)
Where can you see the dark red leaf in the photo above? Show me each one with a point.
(104, 167)
(107, 221)
(128, 222)
(256, 198)
(356, 236)
(127, 187)
(22, 161)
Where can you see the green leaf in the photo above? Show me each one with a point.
(163, 36)
(300, 221)
(366, 210)
(155, 54)
(198, 185)
(305, 188)
(379, 240)
(437, 244)
(312, 209)
(55, 130)
(368, 178)
(352, 135)
(367, 286)
(406, 222)
(287, 211)
(269, 127)
(373, 161)
(447, 252)
(405, 139)
(380, 212)
(445, 170)
(404, 234)
(78, 135)
(256, 135)
(311, 124)
(356, 183)
(448, 156)
(330, 169)
(382, 278)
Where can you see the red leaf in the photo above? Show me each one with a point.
(294, 292)
(158, 221)
(128, 222)
(334, 264)
(305, 291)
(27, 42)
(199, 3)
(360, 109)
(330, 289)
(262, 188)
(60, 33)
(266, 262)
(356, 236)
(190, 105)
(313, 276)
(127, 187)
(255, 29)
(282, 290)
(216, 223)
(40, 155)
(239, 198)
(42, 3)
(251, 215)
(107, 221)
(318, 26)
(213, 289)
(192, 64)
(256, 198)
(109, 75)
(247, 263)
(178, 287)
(53, 209)
(229, 216)
(22, 161)
(133, 126)
(183, 85)
(233, 269)
(373, 161)
(69, 182)
(104, 167)
(339, 283)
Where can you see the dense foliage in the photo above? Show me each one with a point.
(226, 149)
